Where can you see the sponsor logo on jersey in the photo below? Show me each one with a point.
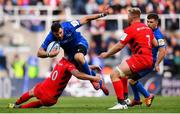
(74, 23)
(161, 42)
(123, 36)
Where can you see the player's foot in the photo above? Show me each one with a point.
(11, 105)
(118, 106)
(127, 101)
(95, 85)
(134, 102)
(104, 89)
(148, 101)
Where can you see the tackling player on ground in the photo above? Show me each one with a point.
(48, 91)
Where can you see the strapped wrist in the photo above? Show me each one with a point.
(102, 15)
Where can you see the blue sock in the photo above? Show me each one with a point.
(141, 89)
(135, 92)
(86, 69)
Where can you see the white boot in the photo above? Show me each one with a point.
(118, 106)
(127, 101)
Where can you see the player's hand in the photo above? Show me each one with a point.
(54, 53)
(97, 78)
(103, 55)
(106, 10)
(95, 67)
(157, 68)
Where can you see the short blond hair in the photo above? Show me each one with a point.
(135, 11)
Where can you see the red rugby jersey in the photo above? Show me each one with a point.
(55, 84)
(139, 37)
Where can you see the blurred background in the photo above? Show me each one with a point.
(24, 25)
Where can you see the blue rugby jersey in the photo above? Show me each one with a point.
(70, 40)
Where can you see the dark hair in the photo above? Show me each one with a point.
(153, 16)
(55, 26)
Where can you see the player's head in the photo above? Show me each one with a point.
(134, 14)
(152, 20)
(57, 30)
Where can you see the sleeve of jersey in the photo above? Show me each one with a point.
(160, 39)
(125, 37)
(74, 24)
(47, 41)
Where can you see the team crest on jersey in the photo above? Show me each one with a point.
(161, 42)
(123, 36)
(74, 23)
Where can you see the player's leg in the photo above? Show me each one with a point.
(79, 57)
(138, 87)
(125, 88)
(24, 97)
(148, 97)
(120, 72)
(136, 100)
(34, 104)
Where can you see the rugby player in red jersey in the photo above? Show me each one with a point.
(140, 39)
(48, 91)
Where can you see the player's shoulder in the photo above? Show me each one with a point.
(134, 27)
(50, 37)
(158, 31)
(128, 29)
(65, 61)
(158, 34)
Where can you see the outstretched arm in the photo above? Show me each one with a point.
(84, 76)
(89, 18)
(117, 47)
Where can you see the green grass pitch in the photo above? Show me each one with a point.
(97, 105)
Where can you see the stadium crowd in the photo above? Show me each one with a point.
(99, 40)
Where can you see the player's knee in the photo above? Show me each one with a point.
(79, 57)
(132, 82)
(119, 72)
(114, 76)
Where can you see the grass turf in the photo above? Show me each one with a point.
(97, 105)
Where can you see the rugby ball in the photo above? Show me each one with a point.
(53, 45)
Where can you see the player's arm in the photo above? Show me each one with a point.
(42, 50)
(154, 42)
(161, 53)
(43, 54)
(116, 48)
(124, 39)
(89, 18)
(95, 67)
(84, 76)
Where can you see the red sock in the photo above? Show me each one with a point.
(118, 87)
(125, 85)
(35, 104)
(25, 97)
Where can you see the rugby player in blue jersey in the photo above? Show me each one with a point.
(158, 55)
(73, 43)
